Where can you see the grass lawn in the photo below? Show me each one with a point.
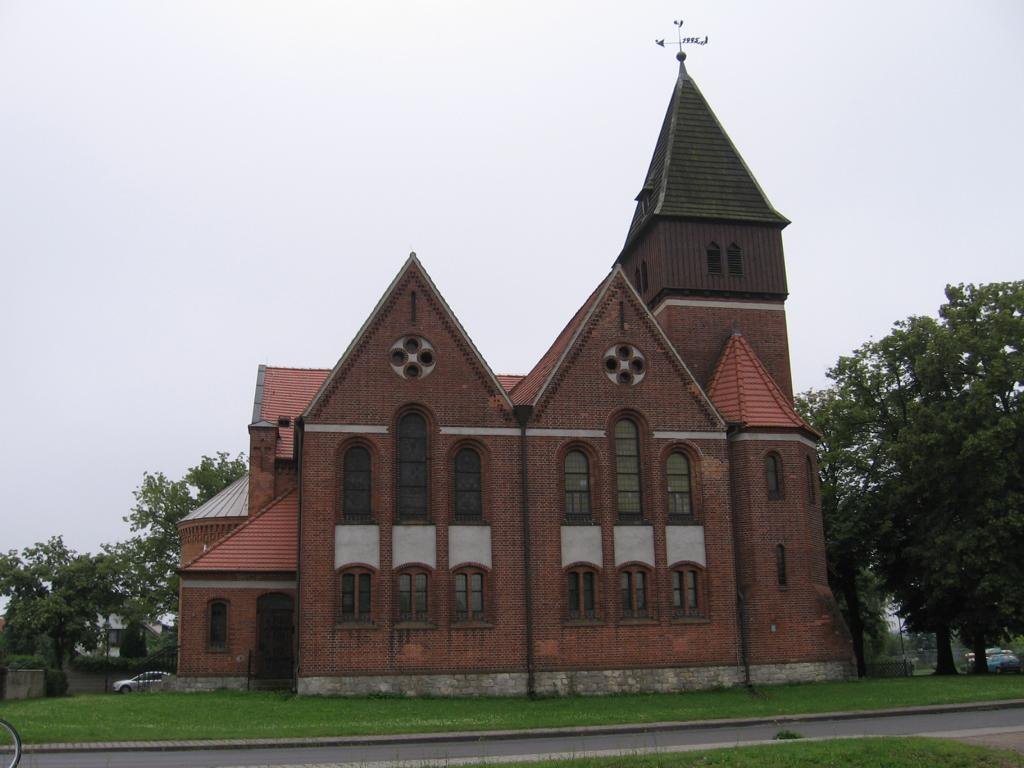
(237, 715)
(848, 753)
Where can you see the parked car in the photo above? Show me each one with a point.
(1003, 662)
(143, 681)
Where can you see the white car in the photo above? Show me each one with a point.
(143, 681)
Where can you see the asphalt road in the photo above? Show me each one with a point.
(943, 724)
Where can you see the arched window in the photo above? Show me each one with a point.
(687, 592)
(356, 597)
(627, 471)
(581, 593)
(355, 496)
(469, 595)
(468, 502)
(412, 596)
(643, 275)
(218, 639)
(633, 593)
(773, 475)
(680, 500)
(811, 481)
(577, 487)
(714, 254)
(780, 564)
(734, 258)
(412, 467)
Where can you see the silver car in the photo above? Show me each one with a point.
(144, 681)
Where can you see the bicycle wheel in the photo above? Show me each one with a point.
(10, 745)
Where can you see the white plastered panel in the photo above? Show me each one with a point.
(581, 544)
(685, 542)
(634, 544)
(469, 544)
(356, 544)
(414, 544)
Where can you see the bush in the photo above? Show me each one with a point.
(56, 682)
(23, 661)
(104, 664)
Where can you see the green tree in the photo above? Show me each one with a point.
(133, 641)
(57, 594)
(149, 559)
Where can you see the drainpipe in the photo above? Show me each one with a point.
(299, 427)
(523, 414)
(741, 596)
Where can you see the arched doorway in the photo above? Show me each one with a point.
(274, 642)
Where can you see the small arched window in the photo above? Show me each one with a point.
(687, 592)
(412, 596)
(412, 467)
(633, 593)
(218, 639)
(680, 498)
(773, 475)
(356, 597)
(627, 471)
(355, 497)
(811, 480)
(577, 487)
(581, 593)
(468, 500)
(714, 253)
(469, 595)
(780, 564)
(734, 258)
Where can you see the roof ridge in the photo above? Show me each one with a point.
(294, 368)
(252, 519)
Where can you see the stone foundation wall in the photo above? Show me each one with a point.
(664, 680)
(191, 684)
(802, 672)
(456, 685)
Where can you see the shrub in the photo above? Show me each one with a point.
(56, 682)
(787, 734)
(23, 661)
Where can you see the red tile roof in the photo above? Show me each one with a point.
(743, 391)
(266, 542)
(508, 380)
(530, 385)
(287, 392)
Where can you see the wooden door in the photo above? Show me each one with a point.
(274, 652)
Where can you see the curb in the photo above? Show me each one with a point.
(529, 733)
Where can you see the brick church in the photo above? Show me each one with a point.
(639, 512)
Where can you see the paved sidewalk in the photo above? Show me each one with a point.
(474, 736)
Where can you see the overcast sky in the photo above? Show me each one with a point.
(190, 189)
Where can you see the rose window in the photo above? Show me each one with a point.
(625, 364)
(412, 357)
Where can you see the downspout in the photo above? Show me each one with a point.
(299, 427)
(523, 414)
(741, 597)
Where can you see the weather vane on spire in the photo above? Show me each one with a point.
(681, 41)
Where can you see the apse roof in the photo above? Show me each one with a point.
(233, 501)
(266, 542)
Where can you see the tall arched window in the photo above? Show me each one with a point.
(734, 258)
(680, 500)
(218, 639)
(810, 480)
(412, 467)
(577, 487)
(714, 254)
(627, 471)
(773, 475)
(780, 564)
(355, 497)
(355, 597)
(468, 501)
(412, 596)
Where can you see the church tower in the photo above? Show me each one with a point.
(704, 248)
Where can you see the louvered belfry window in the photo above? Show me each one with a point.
(714, 259)
(356, 485)
(735, 258)
(412, 467)
(627, 471)
(468, 504)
